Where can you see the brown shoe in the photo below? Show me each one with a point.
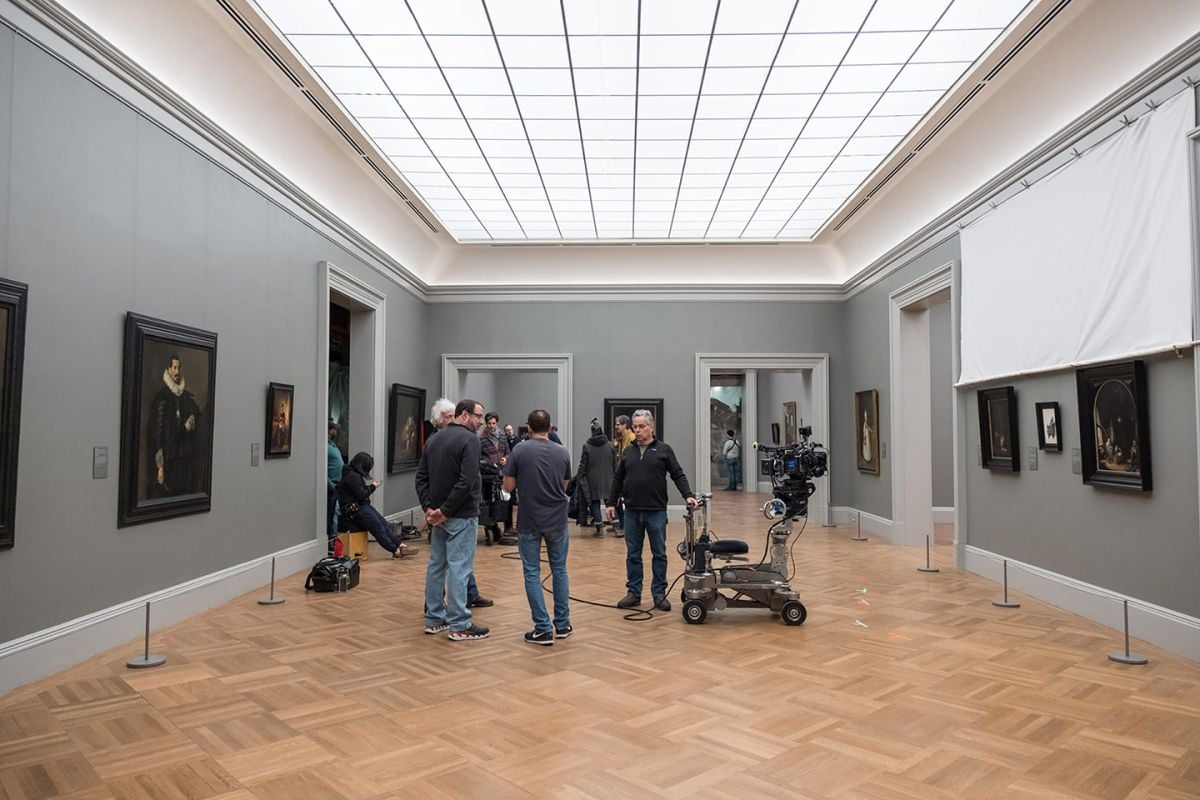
(630, 601)
(404, 550)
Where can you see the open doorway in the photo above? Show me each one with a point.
(918, 311)
(512, 382)
(350, 361)
(726, 396)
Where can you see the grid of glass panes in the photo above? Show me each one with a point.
(658, 119)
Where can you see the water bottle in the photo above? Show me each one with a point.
(343, 580)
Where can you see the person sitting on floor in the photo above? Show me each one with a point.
(354, 498)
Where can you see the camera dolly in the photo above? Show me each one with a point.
(757, 586)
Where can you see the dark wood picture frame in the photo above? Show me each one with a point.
(1048, 417)
(277, 441)
(790, 414)
(167, 423)
(615, 407)
(999, 443)
(14, 300)
(406, 410)
(1114, 425)
(866, 431)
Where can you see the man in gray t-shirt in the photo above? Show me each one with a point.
(539, 470)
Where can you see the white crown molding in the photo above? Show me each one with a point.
(646, 292)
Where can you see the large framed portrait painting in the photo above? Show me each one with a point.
(616, 407)
(866, 431)
(999, 447)
(168, 396)
(13, 299)
(278, 436)
(1114, 425)
(406, 411)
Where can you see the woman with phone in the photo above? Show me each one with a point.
(354, 496)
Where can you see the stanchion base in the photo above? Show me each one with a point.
(1006, 604)
(142, 662)
(271, 601)
(1128, 658)
(859, 539)
(928, 569)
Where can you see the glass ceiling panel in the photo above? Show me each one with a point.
(578, 120)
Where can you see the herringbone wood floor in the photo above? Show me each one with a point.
(935, 695)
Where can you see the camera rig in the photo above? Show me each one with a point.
(793, 468)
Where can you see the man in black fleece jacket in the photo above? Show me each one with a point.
(641, 479)
(448, 488)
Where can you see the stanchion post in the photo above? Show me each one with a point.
(1006, 603)
(272, 600)
(928, 567)
(146, 660)
(858, 521)
(1136, 659)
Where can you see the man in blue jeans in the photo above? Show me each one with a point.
(539, 470)
(448, 488)
(641, 478)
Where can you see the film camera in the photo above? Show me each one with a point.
(765, 584)
(793, 468)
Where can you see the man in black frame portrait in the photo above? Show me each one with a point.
(173, 434)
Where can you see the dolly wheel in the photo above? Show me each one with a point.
(694, 612)
(793, 612)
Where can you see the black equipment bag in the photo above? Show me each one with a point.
(326, 575)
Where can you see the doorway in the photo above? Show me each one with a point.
(351, 311)
(502, 373)
(912, 411)
(726, 398)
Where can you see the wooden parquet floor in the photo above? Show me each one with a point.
(900, 686)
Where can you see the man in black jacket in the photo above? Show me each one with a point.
(641, 479)
(448, 488)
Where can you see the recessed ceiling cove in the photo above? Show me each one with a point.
(691, 120)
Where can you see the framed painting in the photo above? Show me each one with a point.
(279, 420)
(1049, 427)
(406, 410)
(1114, 425)
(614, 408)
(866, 431)
(789, 422)
(13, 301)
(998, 429)
(168, 395)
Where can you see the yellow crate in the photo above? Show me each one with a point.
(354, 544)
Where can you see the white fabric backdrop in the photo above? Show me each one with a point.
(1090, 264)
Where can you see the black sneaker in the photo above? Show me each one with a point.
(480, 602)
(630, 601)
(543, 638)
(662, 603)
(562, 633)
(599, 532)
(436, 627)
(473, 632)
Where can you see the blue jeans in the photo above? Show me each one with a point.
(529, 544)
(640, 524)
(451, 562)
(597, 511)
(369, 519)
(734, 466)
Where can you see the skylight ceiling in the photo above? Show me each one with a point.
(584, 120)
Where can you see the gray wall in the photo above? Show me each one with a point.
(941, 402)
(1145, 545)
(641, 349)
(867, 367)
(514, 393)
(106, 213)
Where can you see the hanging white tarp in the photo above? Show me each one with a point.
(1092, 263)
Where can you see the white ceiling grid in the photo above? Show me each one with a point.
(576, 120)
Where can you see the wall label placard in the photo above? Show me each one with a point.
(99, 462)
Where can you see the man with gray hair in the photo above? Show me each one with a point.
(641, 478)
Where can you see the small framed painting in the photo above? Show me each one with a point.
(998, 429)
(279, 420)
(866, 431)
(405, 413)
(13, 299)
(1049, 428)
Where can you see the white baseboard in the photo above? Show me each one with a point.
(880, 526)
(1164, 627)
(943, 514)
(47, 651)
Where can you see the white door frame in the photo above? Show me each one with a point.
(708, 363)
(912, 515)
(561, 364)
(334, 279)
